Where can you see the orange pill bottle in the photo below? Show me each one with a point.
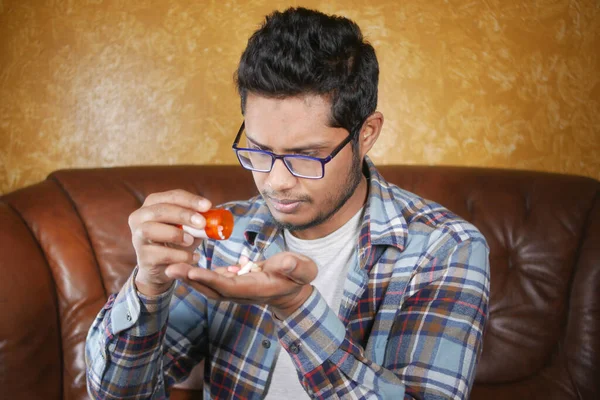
(219, 225)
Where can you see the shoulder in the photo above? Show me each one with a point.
(441, 246)
(428, 219)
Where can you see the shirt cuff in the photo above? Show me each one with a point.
(312, 333)
(139, 314)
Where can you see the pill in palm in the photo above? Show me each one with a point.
(250, 266)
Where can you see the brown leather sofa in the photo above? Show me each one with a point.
(65, 245)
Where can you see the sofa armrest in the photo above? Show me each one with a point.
(30, 365)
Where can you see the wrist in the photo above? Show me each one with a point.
(290, 306)
(147, 288)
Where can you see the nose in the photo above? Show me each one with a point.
(280, 178)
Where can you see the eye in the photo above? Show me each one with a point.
(309, 153)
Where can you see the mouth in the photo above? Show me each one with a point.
(285, 206)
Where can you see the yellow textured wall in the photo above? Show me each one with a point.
(498, 83)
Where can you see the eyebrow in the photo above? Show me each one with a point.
(299, 149)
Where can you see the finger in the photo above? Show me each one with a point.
(230, 287)
(153, 254)
(179, 197)
(178, 271)
(205, 290)
(213, 294)
(233, 269)
(170, 214)
(227, 272)
(296, 267)
(158, 232)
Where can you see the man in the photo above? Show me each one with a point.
(365, 291)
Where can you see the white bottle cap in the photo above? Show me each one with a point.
(197, 233)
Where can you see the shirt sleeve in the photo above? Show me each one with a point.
(138, 346)
(433, 345)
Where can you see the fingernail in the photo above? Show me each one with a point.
(290, 264)
(198, 220)
(204, 205)
(168, 274)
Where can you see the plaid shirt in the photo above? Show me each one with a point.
(410, 324)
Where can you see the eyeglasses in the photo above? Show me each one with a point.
(299, 165)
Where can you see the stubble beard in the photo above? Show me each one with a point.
(336, 202)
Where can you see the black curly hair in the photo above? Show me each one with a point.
(301, 51)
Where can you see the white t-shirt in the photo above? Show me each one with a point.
(333, 256)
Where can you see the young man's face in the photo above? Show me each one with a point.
(310, 207)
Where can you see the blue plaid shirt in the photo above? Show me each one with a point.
(410, 324)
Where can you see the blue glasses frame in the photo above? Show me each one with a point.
(285, 158)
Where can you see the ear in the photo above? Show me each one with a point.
(370, 132)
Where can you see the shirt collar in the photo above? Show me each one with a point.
(383, 221)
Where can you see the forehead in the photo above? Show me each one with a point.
(290, 118)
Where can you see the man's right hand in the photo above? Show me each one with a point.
(158, 242)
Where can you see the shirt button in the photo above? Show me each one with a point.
(128, 317)
(266, 343)
(294, 349)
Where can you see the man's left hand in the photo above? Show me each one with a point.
(283, 283)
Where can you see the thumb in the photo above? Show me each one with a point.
(296, 267)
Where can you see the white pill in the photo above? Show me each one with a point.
(246, 268)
